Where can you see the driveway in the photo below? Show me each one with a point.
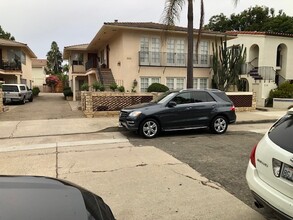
(45, 106)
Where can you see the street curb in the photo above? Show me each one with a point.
(257, 122)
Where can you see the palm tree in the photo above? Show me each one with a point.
(171, 13)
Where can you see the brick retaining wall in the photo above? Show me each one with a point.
(95, 104)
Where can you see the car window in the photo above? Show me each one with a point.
(9, 88)
(281, 132)
(22, 88)
(183, 98)
(201, 96)
(222, 95)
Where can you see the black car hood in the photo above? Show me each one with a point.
(141, 105)
(29, 198)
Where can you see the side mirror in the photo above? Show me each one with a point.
(172, 104)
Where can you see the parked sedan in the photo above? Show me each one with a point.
(180, 110)
(270, 169)
(32, 198)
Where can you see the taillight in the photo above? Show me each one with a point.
(276, 167)
(232, 108)
(252, 156)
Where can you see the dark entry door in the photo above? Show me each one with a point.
(93, 58)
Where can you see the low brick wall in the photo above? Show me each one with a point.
(109, 103)
(1, 101)
(243, 101)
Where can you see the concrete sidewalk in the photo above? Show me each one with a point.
(33, 128)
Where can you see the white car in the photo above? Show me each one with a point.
(270, 169)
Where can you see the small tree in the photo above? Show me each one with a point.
(227, 64)
(52, 81)
(54, 60)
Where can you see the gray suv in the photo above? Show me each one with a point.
(180, 110)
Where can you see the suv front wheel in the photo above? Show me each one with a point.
(219, 125)
(149, 128)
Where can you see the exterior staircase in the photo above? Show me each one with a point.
(254, 73)
(106, 78)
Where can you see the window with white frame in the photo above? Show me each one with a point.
(170, 51)
(155, 45)
(144, 50)
(200, 83)
(175, 83)
(176, 52)
(145, 82)
(202, 56)
(204, 50)
(150, 50)
(180, 55)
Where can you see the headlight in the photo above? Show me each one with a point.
(135, 114)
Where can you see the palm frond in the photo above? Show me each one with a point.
(235, 2)
(171, 12)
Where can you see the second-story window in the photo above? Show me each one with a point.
(77, 59)
(175, 52)
(203, 52)
(150, 51)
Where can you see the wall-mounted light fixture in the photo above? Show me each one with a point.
(135, 82)
(119, 63)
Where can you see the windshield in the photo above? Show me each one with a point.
(163, 97)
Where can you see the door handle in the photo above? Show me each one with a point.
(187, 108)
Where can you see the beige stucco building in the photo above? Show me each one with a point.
(39, 73)
(135, 55)
(15, 62)
(268, 60)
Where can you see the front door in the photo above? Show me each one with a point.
(93, 58)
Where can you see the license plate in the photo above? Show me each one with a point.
(287, 172)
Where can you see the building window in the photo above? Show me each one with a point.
(77, 59)
(145, 82)
(176, 52)
(200, 83)
(144, 50)
(150, 51)
(203, 51)
(175, 83)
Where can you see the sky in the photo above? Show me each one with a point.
(38, 23)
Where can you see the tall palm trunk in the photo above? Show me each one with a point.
(190, 44)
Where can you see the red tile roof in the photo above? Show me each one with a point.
(259, 33)
(157, 26)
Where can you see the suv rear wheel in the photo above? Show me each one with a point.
(219, 125)
(149, 128)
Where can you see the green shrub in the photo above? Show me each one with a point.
(67, 92)
(36, 91)
(285, 90)
(97, 86)
(121, 89)
(113, 86)
(85, 87)
(157, 87)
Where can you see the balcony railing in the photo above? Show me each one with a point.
(10, 65)
(172, 59)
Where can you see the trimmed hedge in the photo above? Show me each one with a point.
(157, 87)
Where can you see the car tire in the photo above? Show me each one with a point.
(22, 101)
(31, 98)
(219, 125)
(149, 128)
